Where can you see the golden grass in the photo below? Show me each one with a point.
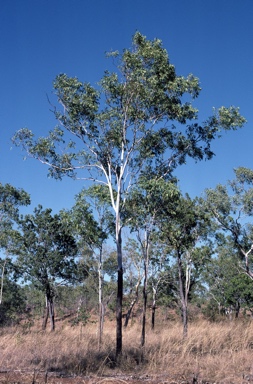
(213, 352)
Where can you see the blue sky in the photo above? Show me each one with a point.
(212, 39)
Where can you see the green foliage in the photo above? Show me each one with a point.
(94, 200)
(110, 265)
(228, 286)
(123, 126)
(231, 208)
(81, 317)
(47, 249)
(35, 301)
(13, 304)
(11, 199)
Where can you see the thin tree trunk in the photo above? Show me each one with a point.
(143, 330)
(237, 310)
(129, 311)
(100, 298)
(49, 308)
(145, 250)
(183, 297)
(119, 314)
(133, 302)
(51, 313)
(119, 292)
(45, 319)
(2, 281)
(145, 285)
(153, 309)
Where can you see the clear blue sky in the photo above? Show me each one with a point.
(212, 39)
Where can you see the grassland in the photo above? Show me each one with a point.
(219, 352)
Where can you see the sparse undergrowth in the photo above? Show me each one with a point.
(213, 352)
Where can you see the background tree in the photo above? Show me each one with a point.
(146, 201)
(231, 207)
(182, 227)
(158, 274)
(11, 199)
(46, 256)
(133, 274)
(229, 288)
(13, 304)
(126, 127)
(94, 233)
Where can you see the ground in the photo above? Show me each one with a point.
(18, 377)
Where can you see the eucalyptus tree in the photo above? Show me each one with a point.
(231, 207)
(183, 229)
(11, 199)
(159, 276)
(93, 233)
(147, 201)
(46, 254)
(138, 120)
(134, 274)
(228, 289)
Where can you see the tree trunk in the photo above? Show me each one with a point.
(145, 285)
(129, 311)
(45, 319)
(183, 297)
(119, 293)
(2, 280)
(185, 320)
(237, 309)
(145, 249)
(51, 313)
(153, 309)
(143, 330)
(49, 308)
(100, 295)
(119, 314)
(133, 302)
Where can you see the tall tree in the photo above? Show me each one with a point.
(125, 128)
(46, 255)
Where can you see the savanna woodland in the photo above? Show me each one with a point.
(137, 281)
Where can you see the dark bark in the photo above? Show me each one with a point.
(154, 307)
(143, 330)
(145, 283)
(119, 314)
(237, 309)
(153, 317)
(49, 309)
(129, 313)
(132, 303)
(101, 307)
(51, 313)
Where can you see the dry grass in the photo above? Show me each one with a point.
(213, 352)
